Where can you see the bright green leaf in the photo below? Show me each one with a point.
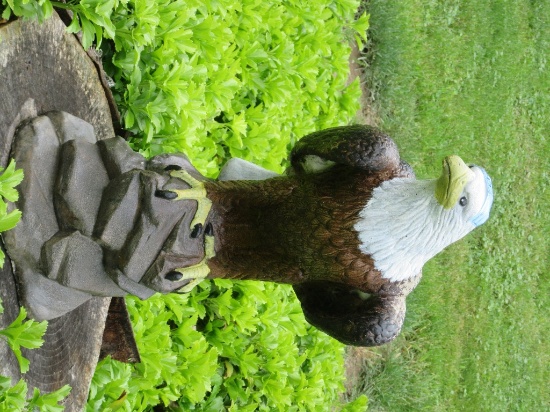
(27, 334)
(9, 221)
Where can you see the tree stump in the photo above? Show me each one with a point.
(44, 63)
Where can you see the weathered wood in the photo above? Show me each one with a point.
(44, 63)
(118, 338)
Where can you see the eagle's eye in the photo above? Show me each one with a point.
(463, 201)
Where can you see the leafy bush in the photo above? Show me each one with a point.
(216, 80)
(20, 334)
(222, 79)
(230, 79)
(227, 345)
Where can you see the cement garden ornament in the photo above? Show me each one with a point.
(348, 225)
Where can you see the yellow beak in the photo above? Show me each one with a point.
(456, 174)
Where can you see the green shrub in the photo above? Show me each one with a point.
(223, 79)
(217, 80)
(227, 345)
(230, 79)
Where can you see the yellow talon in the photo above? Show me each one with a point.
(189, 287)
(196, 192)
(199, 271)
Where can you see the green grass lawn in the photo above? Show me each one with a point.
(470, 78)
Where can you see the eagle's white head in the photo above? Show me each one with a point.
(407, 221)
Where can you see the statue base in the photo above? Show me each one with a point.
(91, 222)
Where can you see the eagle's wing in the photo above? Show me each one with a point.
(349, 317)
(358, 146)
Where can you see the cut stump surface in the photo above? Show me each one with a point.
(44, 63)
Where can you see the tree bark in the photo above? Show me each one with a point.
(44, 63)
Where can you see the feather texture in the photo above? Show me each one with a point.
(403, 226)
(349, 226)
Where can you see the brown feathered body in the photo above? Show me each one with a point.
(294, 229)
(299, 229)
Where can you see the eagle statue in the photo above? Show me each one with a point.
(348, 226)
